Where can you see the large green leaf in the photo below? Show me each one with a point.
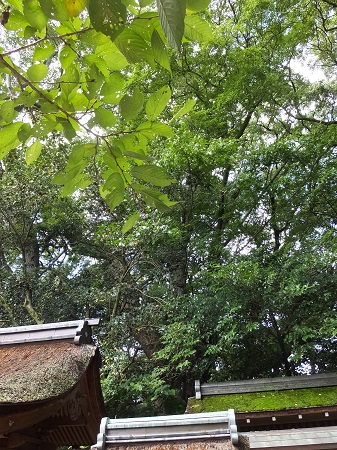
(197, 5)
(197, 29)
(189, 105)
(172, 14)
(33, 152)
(130, 223)
(105, 118)
(159, 51)
(44, 52)
(55, 9)
(108, 16)
(66, 56)
(7, 112)
(152, 129)
(34, 14)
(37, 72)
(157, 102)
(152, 174)
(134, 47)
(131, 105)
(9, 138)
(112, 89)
(114, 187)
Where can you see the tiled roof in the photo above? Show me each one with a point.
(77, 330)
(305, 438)
(181, 428)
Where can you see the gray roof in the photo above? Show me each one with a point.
(181, 427)
(265, 384)
(77, 330)
(306, 438)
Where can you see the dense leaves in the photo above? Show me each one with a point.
(188, 198)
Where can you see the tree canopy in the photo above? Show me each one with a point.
(171, 169)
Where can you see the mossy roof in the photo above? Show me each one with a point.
(40, 371)
(266, 401)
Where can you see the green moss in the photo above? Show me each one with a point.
(264, 401)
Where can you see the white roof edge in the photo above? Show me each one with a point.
(78, 330)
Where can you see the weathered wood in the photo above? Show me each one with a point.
(266, 384)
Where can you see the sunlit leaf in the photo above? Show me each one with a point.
(197, 5)
(37, 72)
(9, 138)
(34, 14)
(197, 29)
(134, 47)
(42, 53)
(157, 102)
(189, 105)
(33, 152)
(130, 223)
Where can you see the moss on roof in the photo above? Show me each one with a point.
(39, 371)
(265, 401)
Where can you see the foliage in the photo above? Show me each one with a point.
(205, 238)
(69, 74)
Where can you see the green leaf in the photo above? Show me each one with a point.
(131, 105)
(9, 138)
(34, 14)
(114, 59)
(112, 88)
(113, 190)
(171, 15)
(81, 152)
(152, 174)
(134, 47)
(99, 63)
(67, 56)
(37, 72)
(197, 5)
(108, 16)
(105, 118)
(69, 173)
(189, 105)
(157, 102)
(80, 182)
(55, 10)
(130, 223)
(7, 111)
(159, 51)
(197, 29)
(42, 53)
(151, 129)
(33, 152)
(154, 198)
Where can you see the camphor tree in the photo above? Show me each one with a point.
(232, 274)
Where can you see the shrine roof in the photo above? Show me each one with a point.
(40, 371)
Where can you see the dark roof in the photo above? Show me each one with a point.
(50, 393)
(40, 371)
